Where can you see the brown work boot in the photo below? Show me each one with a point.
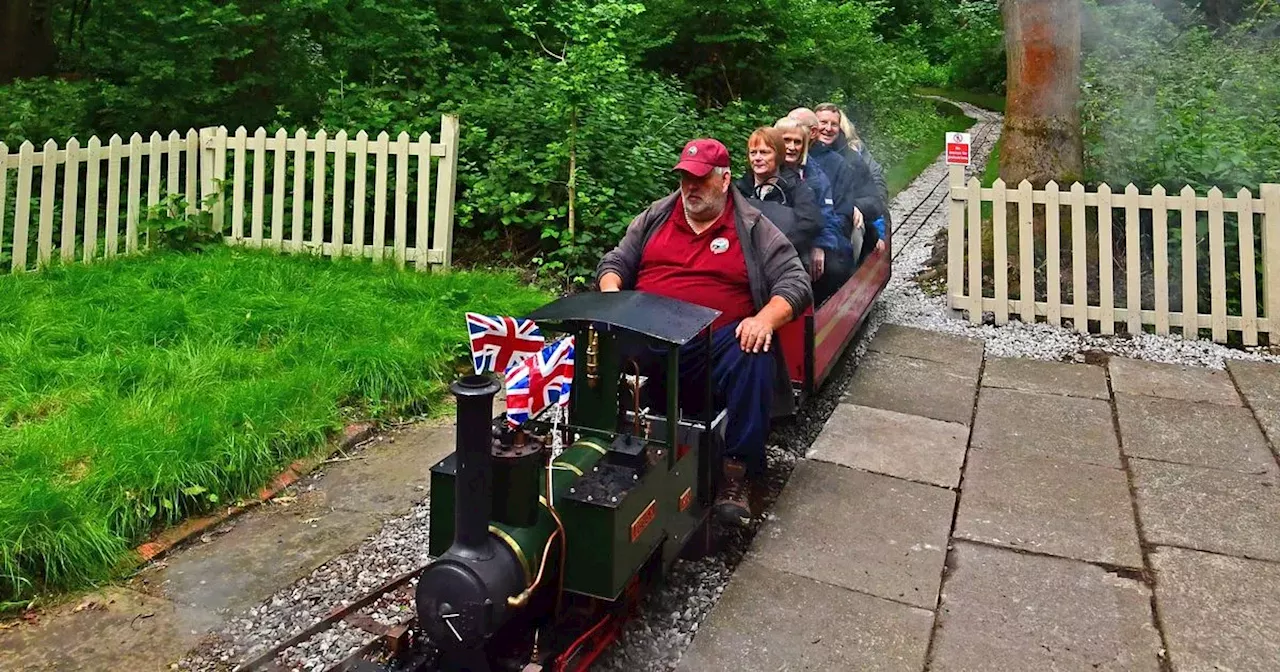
(732, 504)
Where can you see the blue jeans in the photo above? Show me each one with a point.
(742, 383)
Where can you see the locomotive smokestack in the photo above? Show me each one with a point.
(473, 502)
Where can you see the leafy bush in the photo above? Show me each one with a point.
(171, 225)
(38, 109)
(974, 46)
(566, 105)
(1177, 106)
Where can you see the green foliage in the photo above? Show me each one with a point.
(173, 225)
(975, 46)
(565, 104)
(1163, 103)
(932, 144)
(964, 41)
(39, 109)
(135, 392)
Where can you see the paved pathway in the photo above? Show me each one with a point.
(962, 512)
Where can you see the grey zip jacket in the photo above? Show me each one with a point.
(773, 267)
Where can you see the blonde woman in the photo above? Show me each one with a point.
(832, 256)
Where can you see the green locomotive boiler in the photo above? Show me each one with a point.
(540, 554)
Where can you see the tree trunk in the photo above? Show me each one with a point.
(1042, 138)
(26, 39)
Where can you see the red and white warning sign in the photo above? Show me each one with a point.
(957, 149)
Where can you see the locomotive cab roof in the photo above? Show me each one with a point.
(657, 317)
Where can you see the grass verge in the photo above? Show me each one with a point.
(136, 392)
(988, 101)
(899, 175)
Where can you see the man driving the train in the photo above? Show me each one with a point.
(705, 244)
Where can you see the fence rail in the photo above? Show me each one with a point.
(337, 196)
(1133, 260)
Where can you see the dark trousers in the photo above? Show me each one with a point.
(742, 383)
(837, 271)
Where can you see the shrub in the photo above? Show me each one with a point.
(1173, 105)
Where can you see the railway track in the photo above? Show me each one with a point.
(385, 619)
(985, 133)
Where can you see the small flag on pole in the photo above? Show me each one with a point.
(540, 381)
(497, 342)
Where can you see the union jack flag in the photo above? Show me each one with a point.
(497, 342)
(539, 382)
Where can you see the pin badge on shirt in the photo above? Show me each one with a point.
(719, 245)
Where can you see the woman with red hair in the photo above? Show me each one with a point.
(781, 195)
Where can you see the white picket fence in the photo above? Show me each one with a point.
(337, 195)
(1130, 290)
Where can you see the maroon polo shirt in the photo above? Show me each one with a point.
(705, 268)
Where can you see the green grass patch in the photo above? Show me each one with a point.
(899, 175)
(992, 169)
(137, 392)
(988, 101)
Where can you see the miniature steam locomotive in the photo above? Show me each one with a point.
(542, 553)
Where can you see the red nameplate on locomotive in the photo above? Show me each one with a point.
(685, 499)
(642, 521)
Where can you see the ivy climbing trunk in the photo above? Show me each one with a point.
(1042, 138)
(26, 39)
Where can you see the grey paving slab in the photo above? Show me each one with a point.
(117, 630)
(866, 532)
(1048, 505)
(1269, 419)
(384, 478)
(769, 620)
(1033, 375)
(1259, 382)
(894, 444)
(1002, 611)
(1218, 613)
(1221, 511)
(938, 390)
(267, 549)
(896, 339)
(1047, 424)
(1172, 381)
(1207, 435)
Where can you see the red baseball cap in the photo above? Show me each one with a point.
(700, 156)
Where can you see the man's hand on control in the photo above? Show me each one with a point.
(754, 334)
(610, 282)
(818, 263)
(857, 218)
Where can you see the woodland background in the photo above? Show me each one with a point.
(587, 100)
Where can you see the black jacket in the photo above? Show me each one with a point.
(851, 183)
(790, 206)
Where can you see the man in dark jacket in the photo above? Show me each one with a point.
(705, 244)
(856, 196)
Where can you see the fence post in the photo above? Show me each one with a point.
(446, 179)
(208, 150)
(1271, 256)
(213, 170)
(955, 239)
